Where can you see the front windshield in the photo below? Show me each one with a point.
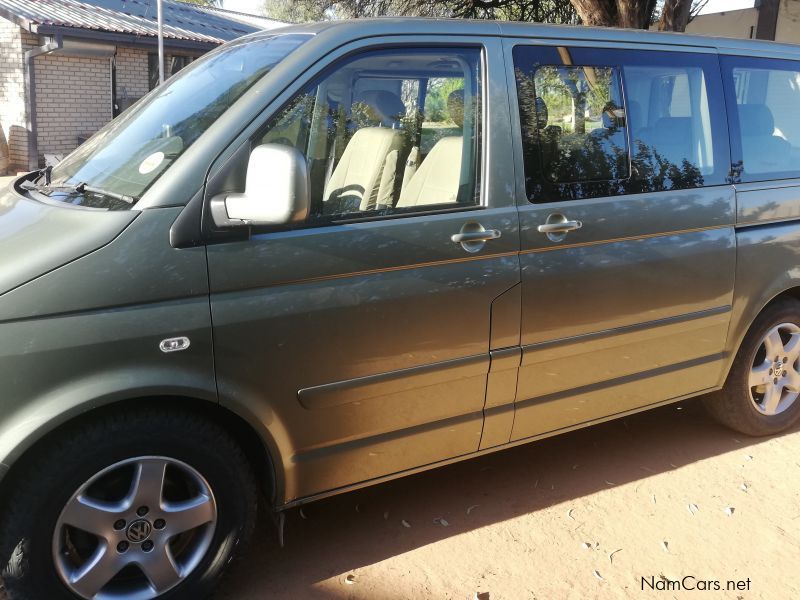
(114, 168)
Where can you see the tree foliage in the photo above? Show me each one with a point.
(543, 11)
(669, 15)
(214, 3)
(298, 11)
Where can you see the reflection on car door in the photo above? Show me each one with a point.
(626, 218)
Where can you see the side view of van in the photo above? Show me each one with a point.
(330, 255)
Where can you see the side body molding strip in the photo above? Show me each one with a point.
(374, 386)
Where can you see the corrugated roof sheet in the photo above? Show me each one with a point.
(135, 17)
(247, 19)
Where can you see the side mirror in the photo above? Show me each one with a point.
(275, 193)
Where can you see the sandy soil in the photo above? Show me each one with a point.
(664, 494)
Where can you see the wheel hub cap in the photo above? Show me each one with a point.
(139, 531)
(135, 530)
(774, 380)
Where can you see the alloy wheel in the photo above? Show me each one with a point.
(774, 381)
(135, 530)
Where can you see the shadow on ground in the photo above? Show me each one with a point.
(350, 531)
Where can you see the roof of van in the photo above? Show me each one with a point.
(368, 27)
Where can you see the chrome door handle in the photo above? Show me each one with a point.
(475, 236)
(560, 227)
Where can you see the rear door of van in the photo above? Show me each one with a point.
(627, 228)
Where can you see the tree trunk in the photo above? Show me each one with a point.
(675, 15)
(635, 14)
(597, 13)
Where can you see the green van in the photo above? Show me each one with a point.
(330, 255)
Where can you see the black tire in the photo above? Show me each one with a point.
(35, 498)
(732, 406)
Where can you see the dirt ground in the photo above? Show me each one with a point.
(665, 495)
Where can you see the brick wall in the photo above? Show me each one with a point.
(73, 94)
(73, 98)
(13, 98)
(132, 74)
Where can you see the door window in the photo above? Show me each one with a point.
(764, 101)
(385, 132)
(598, 123)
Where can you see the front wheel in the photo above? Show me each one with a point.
(761, 393)
(138, 506)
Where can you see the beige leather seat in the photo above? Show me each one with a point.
(438, 178)
(364, 178)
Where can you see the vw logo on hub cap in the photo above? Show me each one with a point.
(139, 531)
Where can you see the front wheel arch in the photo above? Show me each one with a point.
(32, 527)
(256, 449)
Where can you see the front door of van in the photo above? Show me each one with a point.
(627, 232)
(362, 338)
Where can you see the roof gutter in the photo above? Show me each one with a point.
(123, 39)
(53, 44)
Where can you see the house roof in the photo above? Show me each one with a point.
(183, 22)
(255, 20)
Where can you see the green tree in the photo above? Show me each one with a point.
(546, 11)
(298, 11)
(669, 15)
(215, 3)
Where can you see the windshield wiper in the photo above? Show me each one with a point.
(81, 188)
(101, 192)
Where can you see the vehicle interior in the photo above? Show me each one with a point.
(389, 131)
(583, 124)
(668, 114)
(765, 104)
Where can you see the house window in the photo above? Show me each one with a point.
(172, 64)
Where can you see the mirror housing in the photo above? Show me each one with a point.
(276, 190)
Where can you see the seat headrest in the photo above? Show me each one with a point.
(455, 106)
(613, 116)
(672, 130)
(634, 115)
(382, 106)
(756, 119)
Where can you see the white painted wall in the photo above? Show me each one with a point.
(788, 29)
(734, 24)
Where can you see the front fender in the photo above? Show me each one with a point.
(56, 368)
(88, 333)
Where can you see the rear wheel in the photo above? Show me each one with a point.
(137, 506)
(761, 394)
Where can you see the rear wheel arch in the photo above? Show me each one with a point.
(741, 329)
(743, 402)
